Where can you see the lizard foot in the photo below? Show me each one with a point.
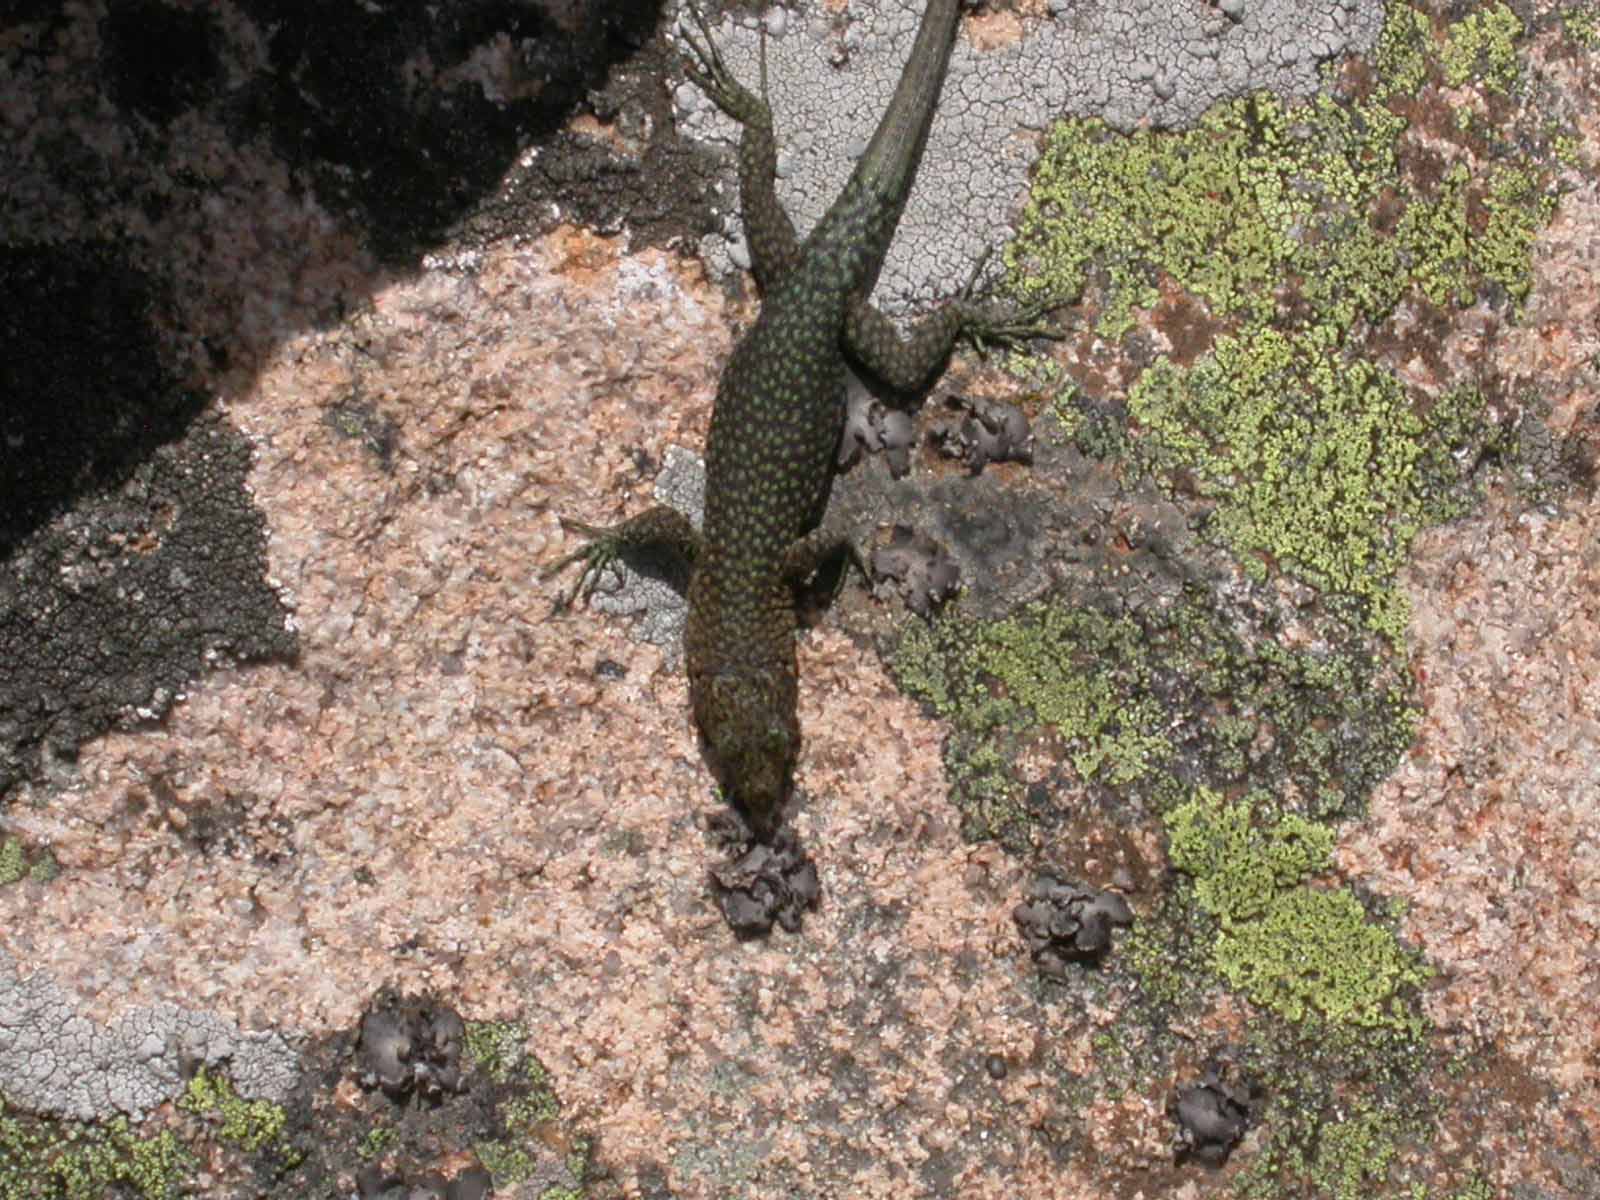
(711, 75)
(660, 529)
(988, 320)
(597, 554)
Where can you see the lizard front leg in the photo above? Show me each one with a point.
(660, 529)
(805, 555)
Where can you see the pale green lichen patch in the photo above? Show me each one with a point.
(1292, 947)
(1240, 868)
(1301, 230)
(1404, 51)
(1070, 676)
(1315, 951)
(62, 1160)
(1138, 703)
(1345, 1155)
(1452, 254)
(17, 863)
(251, 1125)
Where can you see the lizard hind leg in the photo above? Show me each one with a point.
(774, 244)
(712, 76)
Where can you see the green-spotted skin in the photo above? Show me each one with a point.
(780, 412)
(777, 422)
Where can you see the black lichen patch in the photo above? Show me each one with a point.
(411, 1048)
(979, 432)
(375, 1183)
(1212, 1113)
(873, 427)
(920, 569)
(106, 612)
(477, 1115)
(765, 884)
(1066, 923)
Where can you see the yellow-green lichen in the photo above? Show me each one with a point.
(1226, 209)
(1567, 147)
(13, 863)
(1477, 1188)
(379, 1141)
(1296, 228)
(1482, 45)
(1115, 697)
(1313, 459)
(1294, 948)
(251, 1125)
(1053, 663)
(1518, 207)
(1403, 50)
(1353, 1155)
(1451, 258)
(50, 1160)
(529, 1114)
(1239, 869)
(1314, 951)
(538, 1103)
(1048, 671)
(497, 1047)
(1343, 1157)
(1582, 25)
(1068, 416)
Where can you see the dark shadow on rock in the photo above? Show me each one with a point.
(86, 395)
(162, 131)
(386, 107)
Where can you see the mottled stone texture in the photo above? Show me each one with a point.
(451, 792)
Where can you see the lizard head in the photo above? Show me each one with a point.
(748, 718)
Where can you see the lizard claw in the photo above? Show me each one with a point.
(707, 70)
(989, 320)
(596, 554)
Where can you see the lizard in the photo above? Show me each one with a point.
(779, 413)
